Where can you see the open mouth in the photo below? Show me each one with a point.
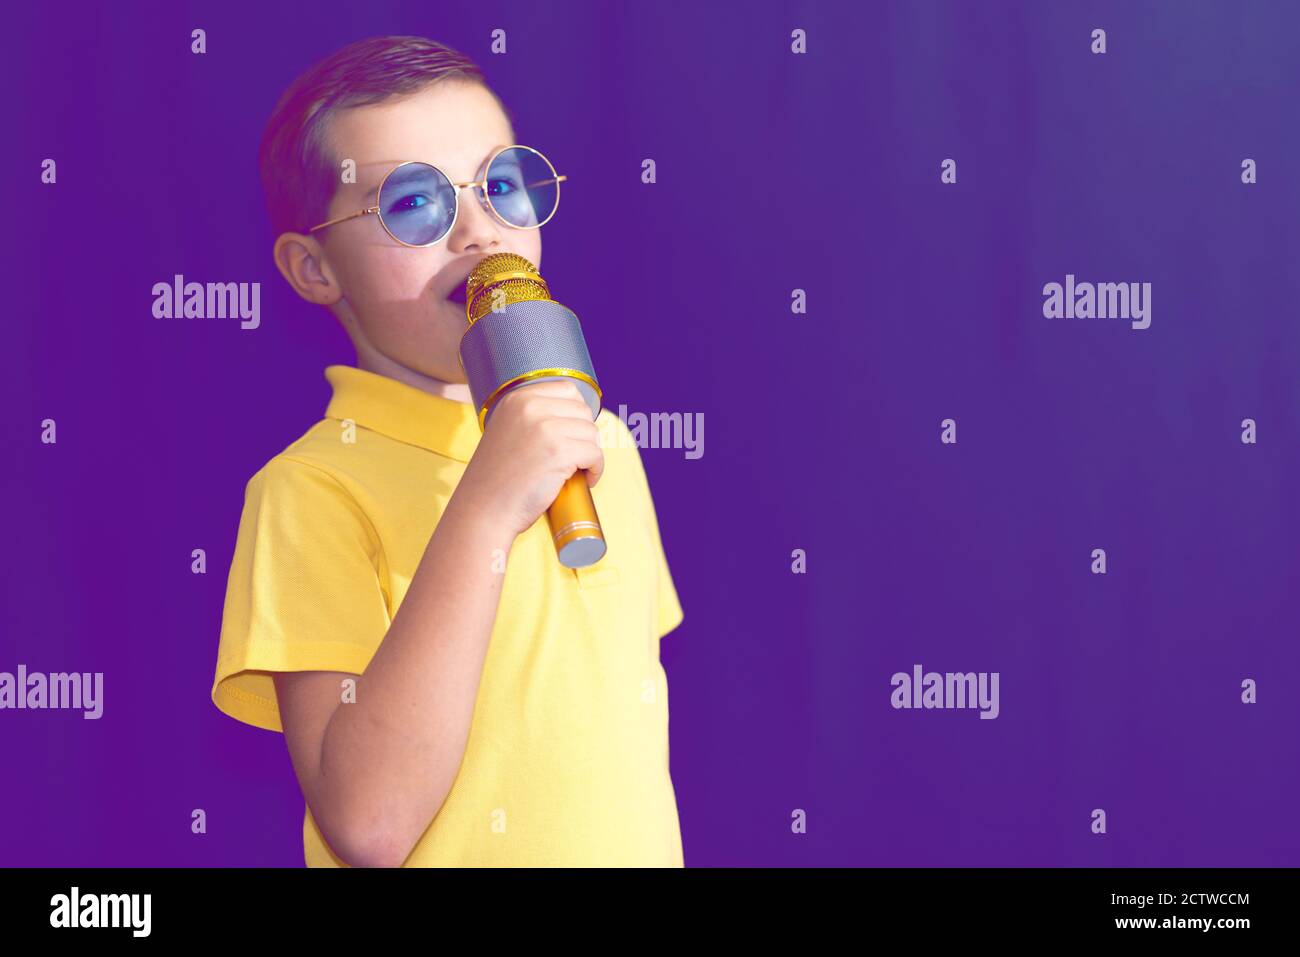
(456, 293)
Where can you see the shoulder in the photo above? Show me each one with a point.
(295, 507)
(615, 435)
(329, 447)
(625, 471)
(304, 478)
(301, 457)
(622, 455)
(326, 446)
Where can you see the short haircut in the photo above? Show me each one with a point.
(297, 174)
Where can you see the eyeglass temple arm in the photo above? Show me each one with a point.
(343, 219)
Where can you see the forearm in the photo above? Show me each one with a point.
(389, 759)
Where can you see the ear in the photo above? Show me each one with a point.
(301, 261)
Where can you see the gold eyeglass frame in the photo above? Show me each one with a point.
(480, 191)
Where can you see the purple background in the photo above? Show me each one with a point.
(775, 171)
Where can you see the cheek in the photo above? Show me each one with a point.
(530, 247)
(383, 278)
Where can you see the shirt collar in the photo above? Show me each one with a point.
(403, 412)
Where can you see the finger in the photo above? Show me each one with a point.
(591, 458)
(579, 428)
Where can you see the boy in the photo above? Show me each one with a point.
(449, 693)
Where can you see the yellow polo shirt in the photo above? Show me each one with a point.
(567, 758)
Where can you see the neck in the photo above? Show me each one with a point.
(373, 361)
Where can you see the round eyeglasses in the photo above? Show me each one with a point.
(417, 203)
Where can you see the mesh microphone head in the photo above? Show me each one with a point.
(517, 333)
(515, 277)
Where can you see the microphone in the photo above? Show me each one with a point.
(518, 335)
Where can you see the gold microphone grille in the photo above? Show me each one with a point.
(515, 276)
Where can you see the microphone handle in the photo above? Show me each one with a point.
(575, 526)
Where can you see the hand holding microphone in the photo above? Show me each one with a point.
(539, 436)
(526, 360)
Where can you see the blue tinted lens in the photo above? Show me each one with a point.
(417, 204)
(521, 187)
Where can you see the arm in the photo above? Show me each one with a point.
(376, 772)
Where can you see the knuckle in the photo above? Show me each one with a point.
(530, 407)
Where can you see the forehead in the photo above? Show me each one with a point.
(453, 124)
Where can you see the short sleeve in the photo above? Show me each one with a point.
(668, 607)
(304, 593)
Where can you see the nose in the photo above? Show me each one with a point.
(476, 229)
